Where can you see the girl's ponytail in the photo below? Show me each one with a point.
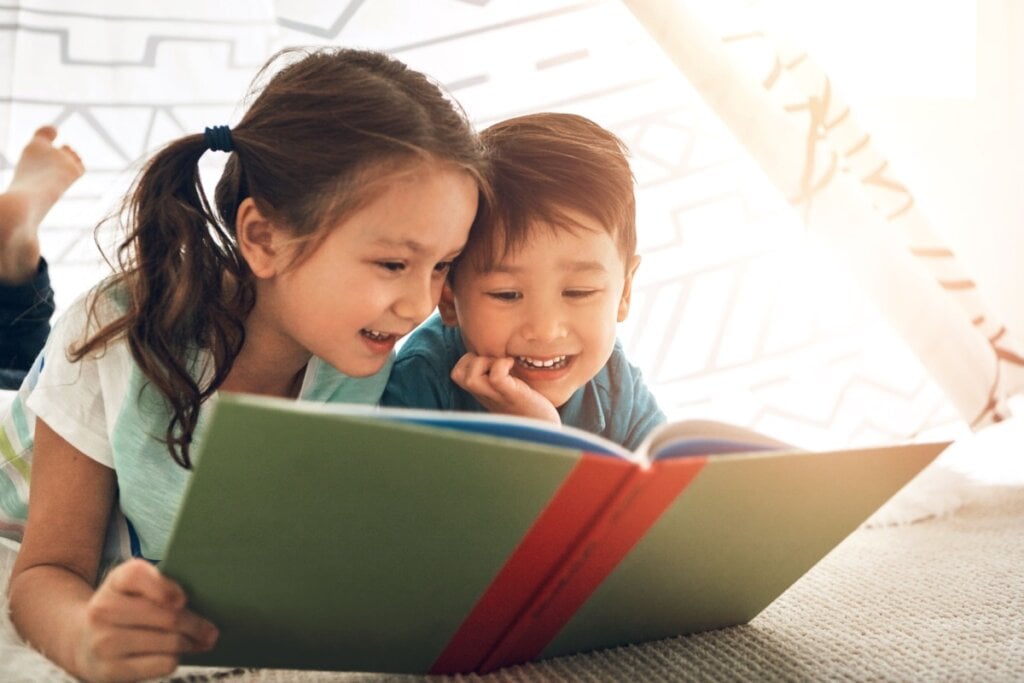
(184, 285)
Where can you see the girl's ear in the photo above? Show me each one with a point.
(447, 306)
(258, 239)
(627, 290)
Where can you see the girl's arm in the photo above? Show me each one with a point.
(134, 625)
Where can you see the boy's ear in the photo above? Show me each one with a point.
(627, 290)
(258, 239)
(447, 306)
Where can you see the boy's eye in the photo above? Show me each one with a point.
(505, 295)
(579, 293)
(392, 266)
(443, 267)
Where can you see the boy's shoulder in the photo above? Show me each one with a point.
(618, 374)
(434, 342)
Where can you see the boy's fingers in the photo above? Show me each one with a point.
(138, 577)
(501, 379)
(501, 368)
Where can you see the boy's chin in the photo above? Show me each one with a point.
(558, 399)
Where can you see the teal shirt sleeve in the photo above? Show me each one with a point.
(415, 382)
(645, 414)
(420, 376)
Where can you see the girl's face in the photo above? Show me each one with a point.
(376, 275)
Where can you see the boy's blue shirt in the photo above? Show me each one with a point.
(615, 404)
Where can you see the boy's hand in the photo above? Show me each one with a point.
(136, 626)
(490, 382)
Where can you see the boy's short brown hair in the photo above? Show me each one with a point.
(543, 165)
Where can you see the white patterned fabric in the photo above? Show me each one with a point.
(739, 313)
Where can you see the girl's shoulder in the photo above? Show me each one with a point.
(86, 315)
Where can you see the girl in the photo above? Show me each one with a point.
(350, 188)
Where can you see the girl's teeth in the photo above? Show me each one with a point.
(374, 334)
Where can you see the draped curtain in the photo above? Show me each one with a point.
(789, 282)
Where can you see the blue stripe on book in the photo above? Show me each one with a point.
(513, 430)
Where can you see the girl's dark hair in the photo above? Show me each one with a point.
(317, 132)
(541, 166)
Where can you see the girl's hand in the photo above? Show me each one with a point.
(490, 382)
(136, 626)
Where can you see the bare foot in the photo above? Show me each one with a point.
(42, 175)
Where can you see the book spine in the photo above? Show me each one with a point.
(633, 509)
(587, 489)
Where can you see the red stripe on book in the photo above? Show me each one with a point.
(634, 509)
(565, 519)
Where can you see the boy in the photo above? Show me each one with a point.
(528, 314)
(41, 176)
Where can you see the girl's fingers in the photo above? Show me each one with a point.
(140, 578)
(136, 668)
(134, 612)
(124, 643)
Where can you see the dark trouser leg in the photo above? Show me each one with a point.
(25, 311)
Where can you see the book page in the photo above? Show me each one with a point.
(707, 437)
(512, 427)
(484, 424)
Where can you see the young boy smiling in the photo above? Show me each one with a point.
(528, 315)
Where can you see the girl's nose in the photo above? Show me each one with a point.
(417, 302)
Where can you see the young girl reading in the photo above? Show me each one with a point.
(351, 186)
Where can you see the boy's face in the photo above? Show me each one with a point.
(552, 306)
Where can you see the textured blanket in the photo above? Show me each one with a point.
(930, 589)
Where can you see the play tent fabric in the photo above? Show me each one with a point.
(789, 282)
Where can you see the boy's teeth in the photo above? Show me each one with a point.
(557, 361)
(374, 334)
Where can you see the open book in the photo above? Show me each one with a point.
(353, 538)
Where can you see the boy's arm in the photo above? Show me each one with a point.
(490, 382)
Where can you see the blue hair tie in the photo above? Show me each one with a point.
(218, 139)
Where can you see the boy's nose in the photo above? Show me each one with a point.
(543, 326)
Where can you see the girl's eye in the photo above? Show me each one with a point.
(579, 293)
(392, 266)
(443, 267)
(505, 296)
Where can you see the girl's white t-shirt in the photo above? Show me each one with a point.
(85, 403)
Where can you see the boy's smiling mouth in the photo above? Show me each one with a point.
(553, 363)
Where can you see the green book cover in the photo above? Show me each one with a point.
(348, 538)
